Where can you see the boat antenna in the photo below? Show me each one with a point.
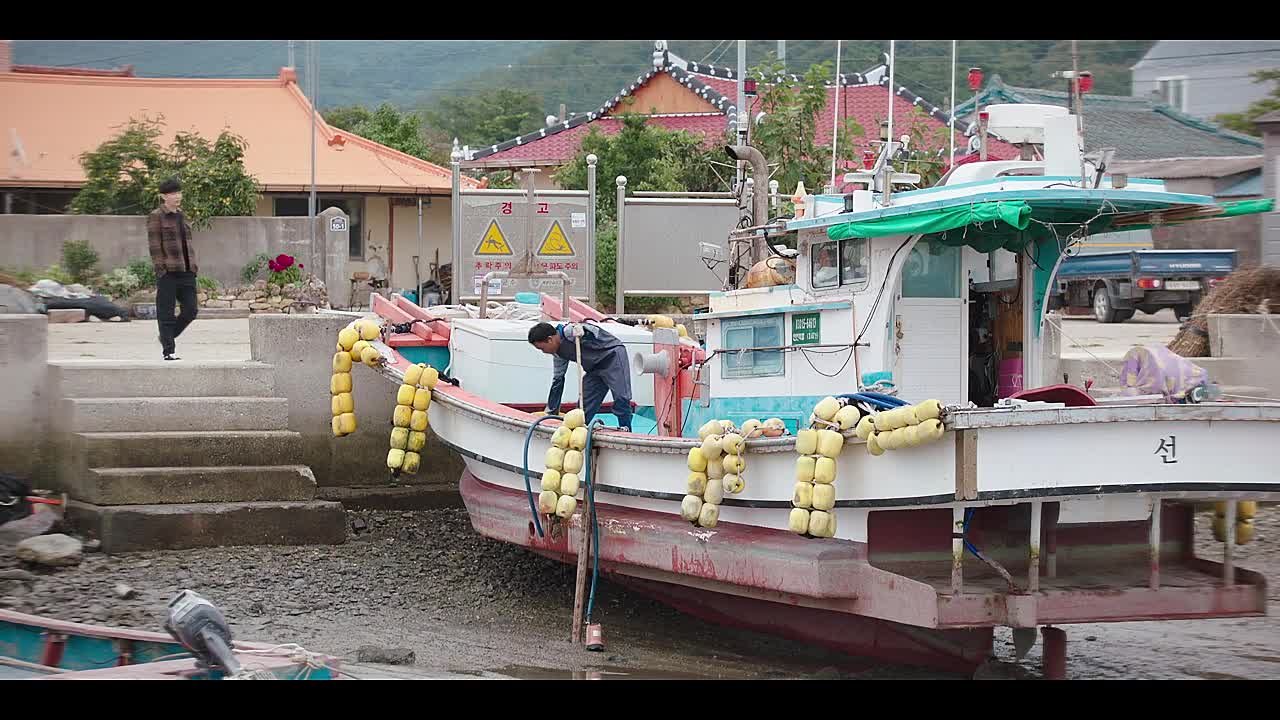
(835, 119)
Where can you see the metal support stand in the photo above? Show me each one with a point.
(957, 550)
(1154, 540)
(1055, 653)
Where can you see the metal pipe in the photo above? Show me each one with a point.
(741, 111)
(564, 282)
(592, 159)
(530, 208)
(835, 121)
(957, 550)
(759, 200)
(951, 120)
(455, 280)
(892, 92)
(663, 194)
(1228, 561)
(1155, 544)
(619, 288)
(311, 80)
(1033, 568)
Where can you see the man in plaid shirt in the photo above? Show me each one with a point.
(174, 258)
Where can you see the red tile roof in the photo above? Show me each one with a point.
(866, 103)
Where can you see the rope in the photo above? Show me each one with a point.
(1058, 325)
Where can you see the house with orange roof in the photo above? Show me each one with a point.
(50, 116)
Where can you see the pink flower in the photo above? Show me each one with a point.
(284, 262)
(272, 265)
(300, 266)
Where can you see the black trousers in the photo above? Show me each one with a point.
(171, 287)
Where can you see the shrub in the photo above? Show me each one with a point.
(80, 260)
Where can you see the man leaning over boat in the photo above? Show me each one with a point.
(604, 362)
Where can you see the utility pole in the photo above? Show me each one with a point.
(291, 54)
(1077, 101)
(743, 115)
(311, 80)
(782, 53)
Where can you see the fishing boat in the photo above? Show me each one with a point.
(961, 502)
(40, 648)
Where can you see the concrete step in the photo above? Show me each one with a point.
(152, 379)
(208, 313)
(218, 448)
(172, 485)
(130, 528)
(140, 414)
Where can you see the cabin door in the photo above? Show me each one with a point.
(930, 334)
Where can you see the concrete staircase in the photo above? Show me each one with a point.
(160, 455)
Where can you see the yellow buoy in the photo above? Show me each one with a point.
(827, 408)
(399, 438)
(575, 418)
(830, 443)
(807, 442)
(711, 448)
(798, 521)
(691, 506)
(824, 497)
(733, 464)
(418, 421)
(696, 484)
(404, 396)
(430, 376)
(369, 330)
(346, 401)
(578, 438)
(395, 458)
(401, 416)
(412, 461)
(413, 374)
(572, 461)
(370, 356)
(554, 458)
(565, 506)
(337, 427)
(805, 466)
(340, 383)
(824, 471)
(347, 337)
(547, 501)
(733, 484)
(847, 416)
(342, 362)
(928, 410)
(357, 350)
(348, 421)
(697, 462)
(335, 405)
(802, 495)
(714, 492)
(569, 484)
(421, 399)
(731, 444)
(715, 469)
(709, 428)
(709, 515)
(873, 444)
(417, 441)
(551, 480)
(866, 426)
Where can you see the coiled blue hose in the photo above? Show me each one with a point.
(533, 508)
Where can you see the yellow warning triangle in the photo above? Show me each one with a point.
(493, 242)
(555, 243)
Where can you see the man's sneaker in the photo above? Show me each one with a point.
(171, 356)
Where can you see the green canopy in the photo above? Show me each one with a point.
(1015, 215)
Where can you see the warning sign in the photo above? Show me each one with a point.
(555, 243)
(494, 242)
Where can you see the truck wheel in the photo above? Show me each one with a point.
(1183, 312)
(1102, 310)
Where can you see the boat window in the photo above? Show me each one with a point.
(855, 263)
(932, 271)
(751, 332)
(826, 273)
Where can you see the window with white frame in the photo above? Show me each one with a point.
(1173, 91)
(840, 263)
(751, 332)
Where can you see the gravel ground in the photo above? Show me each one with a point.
(471, 607)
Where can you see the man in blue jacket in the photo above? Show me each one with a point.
(604, 362)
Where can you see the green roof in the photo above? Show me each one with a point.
(1137, 128)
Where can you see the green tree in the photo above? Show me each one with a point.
(651, 158)
(388, 126)
(485, 118)
(1243, 121)
(125, 172)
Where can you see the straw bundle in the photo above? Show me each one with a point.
(1248, 290)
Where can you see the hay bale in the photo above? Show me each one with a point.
(1252, 290)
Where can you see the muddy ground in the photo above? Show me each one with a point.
(471, 607)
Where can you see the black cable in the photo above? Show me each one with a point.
(880, 294)
(815, 368)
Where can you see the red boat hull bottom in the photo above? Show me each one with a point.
(503, 514)
(958, 651)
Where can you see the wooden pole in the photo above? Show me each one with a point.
(584, 545)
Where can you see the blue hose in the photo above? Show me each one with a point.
(877, 400)
(533, 508)
(590, 493)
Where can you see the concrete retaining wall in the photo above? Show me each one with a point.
(24, 422)
(35, 242)
(301, 348)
